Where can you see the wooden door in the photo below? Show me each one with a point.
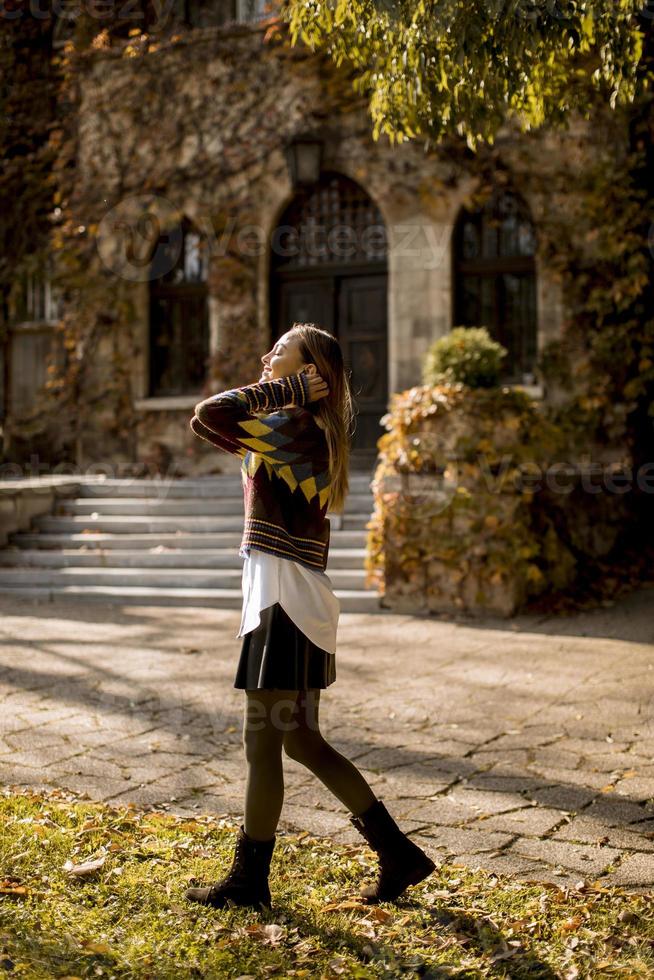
(304, 301)
(363, 335)
(353, 307)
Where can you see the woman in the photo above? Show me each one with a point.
(291, 431)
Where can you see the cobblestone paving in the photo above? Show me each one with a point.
(524, 746)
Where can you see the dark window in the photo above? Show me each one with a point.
(34, 298)
(205, 13)
(179, 316)
(252, 10)
(495, 278)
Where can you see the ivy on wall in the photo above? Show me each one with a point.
(121, 82)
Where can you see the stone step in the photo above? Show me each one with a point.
(339, 540)
(206, 486)
(169, 542)
(157, 525)
(157, 556)
(357, 504)
(198, 578)
(352, 600)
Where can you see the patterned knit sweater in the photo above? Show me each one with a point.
(285, 468)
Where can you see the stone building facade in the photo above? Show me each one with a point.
(235, 187)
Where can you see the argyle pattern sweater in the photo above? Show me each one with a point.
(284, 469)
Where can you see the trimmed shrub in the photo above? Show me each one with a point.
(467, 355)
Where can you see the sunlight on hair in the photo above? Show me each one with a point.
(336, 410)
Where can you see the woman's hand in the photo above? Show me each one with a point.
(317, 387)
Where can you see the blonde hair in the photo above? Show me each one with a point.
(335, 410)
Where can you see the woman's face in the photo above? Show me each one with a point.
(283, 359)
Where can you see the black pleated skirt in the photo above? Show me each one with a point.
(278, 655)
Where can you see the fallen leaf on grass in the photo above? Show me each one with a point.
(192, 825)
(380, 915)
(347, 904)
(441, 893)
(338, 964)
(101, 949)
(518, 923)
(271, 934)
(505, 953)
(560, 895)
(90, 825)
(82, 870)
(366, 929)
(569, 925)
(403, 921)
(10, 888)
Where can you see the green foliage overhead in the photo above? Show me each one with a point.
(464, 66)
(467, 355)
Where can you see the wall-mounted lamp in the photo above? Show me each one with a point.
(304, 159)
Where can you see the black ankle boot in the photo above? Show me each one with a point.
(402, 863)
(247, 880)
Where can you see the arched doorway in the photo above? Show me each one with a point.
(328, 266)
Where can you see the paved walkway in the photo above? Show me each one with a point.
(523, 746)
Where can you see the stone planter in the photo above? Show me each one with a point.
(479, 507)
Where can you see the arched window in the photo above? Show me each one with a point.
(179, 316)
(333, 221)
(495, 278)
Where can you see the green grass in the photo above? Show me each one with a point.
(130, 917)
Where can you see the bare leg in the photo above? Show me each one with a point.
(267, 715)
(305, 743)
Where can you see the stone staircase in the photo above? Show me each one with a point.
(170, 542)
